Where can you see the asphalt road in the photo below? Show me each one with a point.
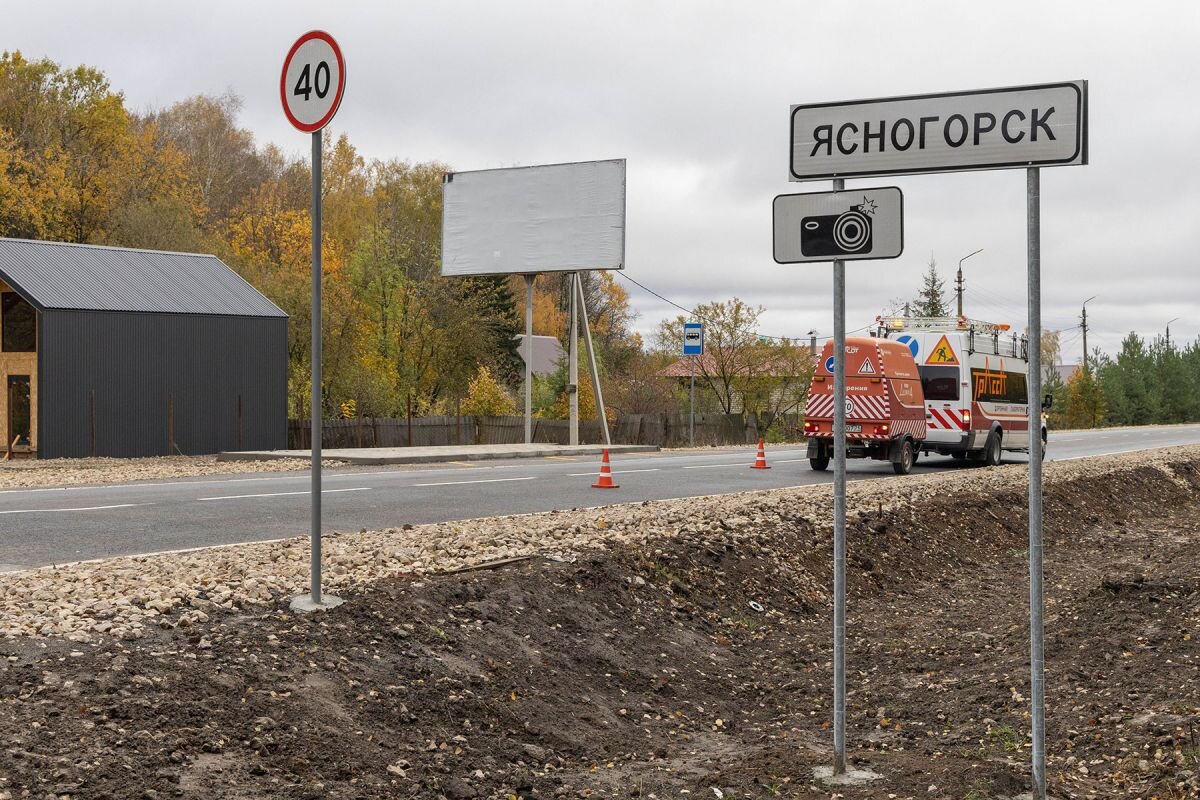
(57, 525)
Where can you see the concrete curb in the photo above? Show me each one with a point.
(433, 455)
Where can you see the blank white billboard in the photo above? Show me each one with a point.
(552, 218)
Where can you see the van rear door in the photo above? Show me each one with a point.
(945, 403)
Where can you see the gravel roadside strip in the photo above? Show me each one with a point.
(121, 597)
(51, 473)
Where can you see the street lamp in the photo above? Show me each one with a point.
(958, 282)
(1169, 332)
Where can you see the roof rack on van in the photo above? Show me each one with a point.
(940, 324)
(984, 337)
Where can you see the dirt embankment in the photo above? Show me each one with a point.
(692, 662)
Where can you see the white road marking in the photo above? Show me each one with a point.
(1111, 453)
(90, 508)
(622, 472)
(284, 494)
(297, 475)
(714, 466)
(489, 480)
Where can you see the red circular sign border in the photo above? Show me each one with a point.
(341, 89)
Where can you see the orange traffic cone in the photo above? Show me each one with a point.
(606, 481)
(761, 461)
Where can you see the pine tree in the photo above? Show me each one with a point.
(931, 299)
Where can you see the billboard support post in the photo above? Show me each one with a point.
(529, 278)
(839, 510)
(573, 365)
(592, 366)
(1037, 665)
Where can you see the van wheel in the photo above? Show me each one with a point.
(991, 450)
(820, 463)
(904, 464)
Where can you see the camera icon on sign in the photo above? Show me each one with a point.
(838, 234)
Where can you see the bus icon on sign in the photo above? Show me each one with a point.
(693, 339)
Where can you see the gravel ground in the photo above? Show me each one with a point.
(33, 472)
(661, 651)
(122, 596)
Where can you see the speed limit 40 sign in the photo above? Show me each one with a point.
(313, 80)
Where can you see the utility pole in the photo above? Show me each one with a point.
(1168, 338)
(958, 282)
(812, 342)
(1084, 326)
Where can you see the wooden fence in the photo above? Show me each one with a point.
(664, 430)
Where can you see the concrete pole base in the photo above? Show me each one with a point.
(852, 777)
(304, 603)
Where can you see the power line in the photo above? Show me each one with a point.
(691, 313)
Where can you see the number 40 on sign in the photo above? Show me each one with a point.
(313, 81)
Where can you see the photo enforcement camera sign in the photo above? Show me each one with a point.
(847, 225)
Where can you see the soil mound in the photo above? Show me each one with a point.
(695, 664)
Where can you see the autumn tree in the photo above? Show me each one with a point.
(486, 397)
(222, 161)
(733, 351)
(1085, 401)
(72, 153)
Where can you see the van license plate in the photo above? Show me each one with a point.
(854, 429)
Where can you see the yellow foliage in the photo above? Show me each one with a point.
(548, 318)
(486, 397)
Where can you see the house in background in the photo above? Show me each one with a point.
(780, 384)
(108, 351)
(1067, 371)
(547, 353)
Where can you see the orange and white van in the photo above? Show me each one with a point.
(975, 380)
(885, 407)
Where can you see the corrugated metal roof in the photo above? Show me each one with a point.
(88, 277)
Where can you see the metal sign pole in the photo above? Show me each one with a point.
(315, 534)
(311, 87)
(692, 406)
(839, 510)
(1036, 645)
(529, 358)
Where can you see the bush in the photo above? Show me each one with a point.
(486, 397)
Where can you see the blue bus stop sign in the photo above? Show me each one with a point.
(693, 339)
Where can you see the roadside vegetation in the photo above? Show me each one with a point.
(77, 164)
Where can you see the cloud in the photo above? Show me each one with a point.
(696, 96)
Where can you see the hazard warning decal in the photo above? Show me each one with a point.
(942, 353)
(866, 368)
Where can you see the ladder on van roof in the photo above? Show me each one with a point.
(985, 337)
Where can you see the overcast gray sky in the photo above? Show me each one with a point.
(696, 97)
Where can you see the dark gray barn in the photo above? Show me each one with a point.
(118, 352)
